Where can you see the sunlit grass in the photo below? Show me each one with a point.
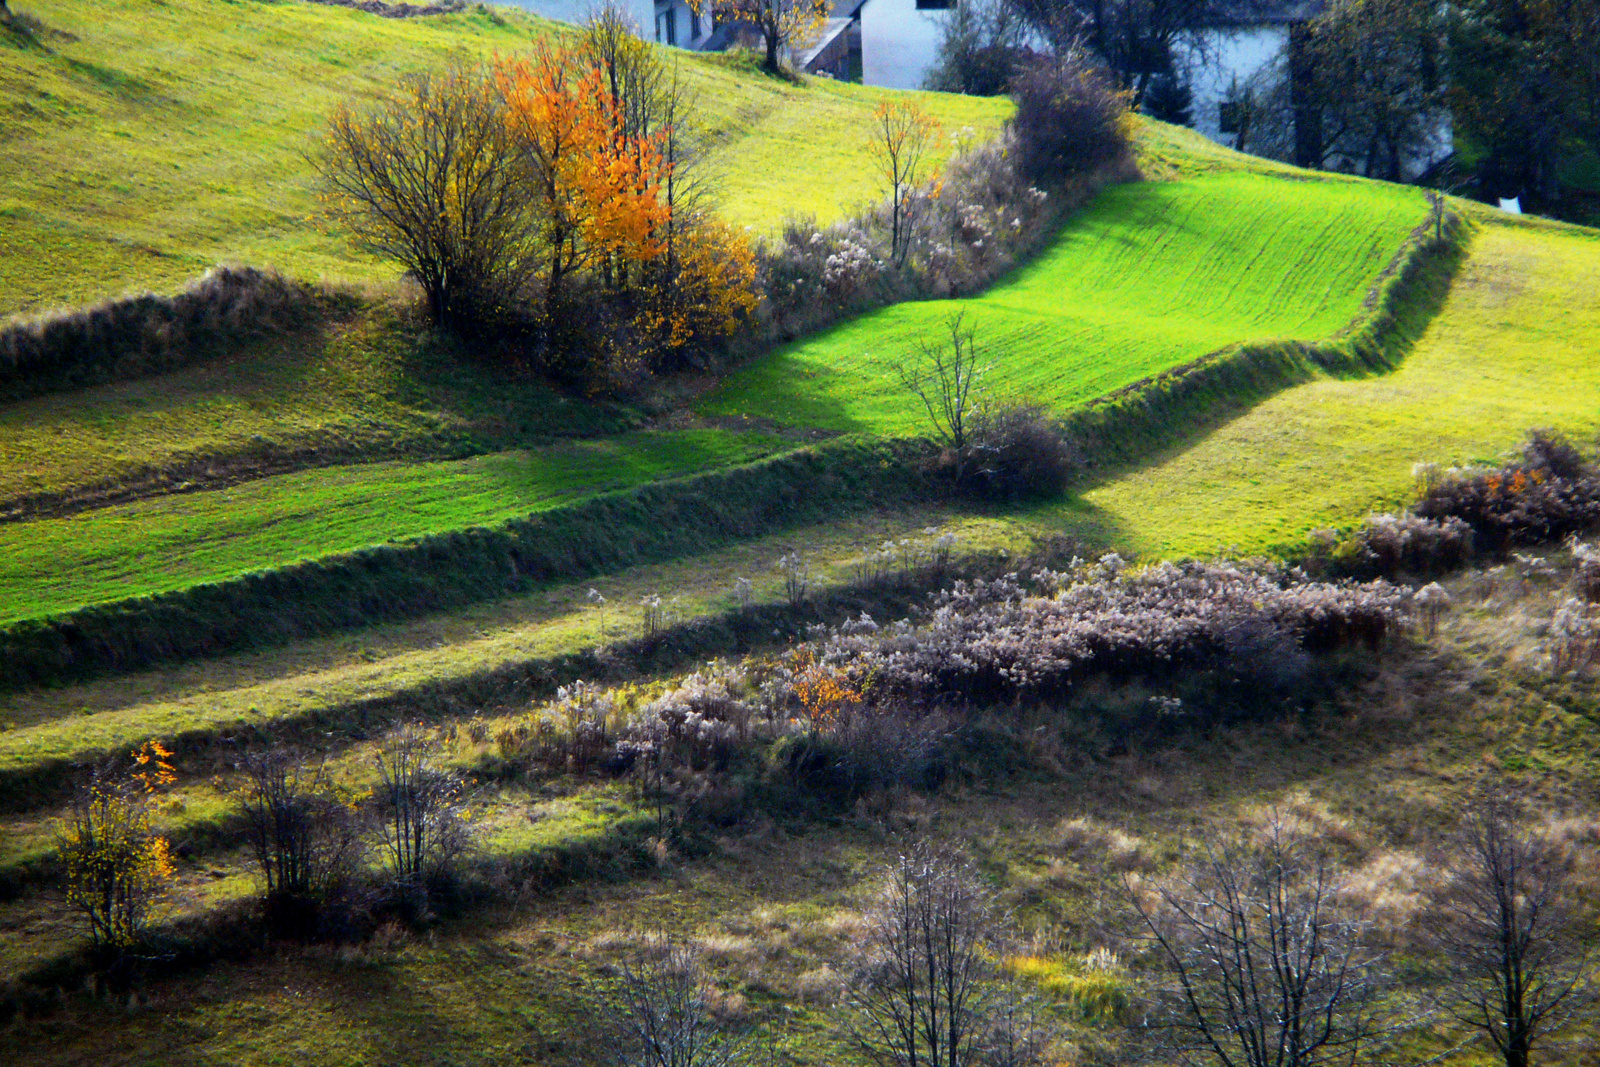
(1149, 276)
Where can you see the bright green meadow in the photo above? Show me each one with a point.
(1515, 346)
(1150, 276)
(173, 542)
(143, 141)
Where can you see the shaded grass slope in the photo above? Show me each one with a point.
(142, 141)
(1149, 277)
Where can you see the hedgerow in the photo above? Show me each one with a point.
(145, 334)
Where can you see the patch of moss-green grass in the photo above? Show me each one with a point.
(141, 141)
(49, 566)
(372, 385)
(1150, 276)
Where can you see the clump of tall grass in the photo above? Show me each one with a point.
(136, 336)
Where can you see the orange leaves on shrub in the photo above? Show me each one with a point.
(826, 693)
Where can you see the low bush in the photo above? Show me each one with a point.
(1551, 492)
(136, 336)
(1069, 118)
(1017, 452)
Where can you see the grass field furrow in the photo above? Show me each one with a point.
(1148, 277)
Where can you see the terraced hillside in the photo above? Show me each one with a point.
(1151, 276)
(145, 140)
(1512, 347)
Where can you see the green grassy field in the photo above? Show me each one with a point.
(112, 553)
(1150, 276)
(373, 385)
(1514, 347)
(142, 141)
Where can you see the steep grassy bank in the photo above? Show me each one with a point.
(146, 140)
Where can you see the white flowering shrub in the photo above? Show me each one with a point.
(1586, 568)
(991, 641)
(1573, 639)
(1431, 601)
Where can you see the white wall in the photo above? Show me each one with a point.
(898, 42)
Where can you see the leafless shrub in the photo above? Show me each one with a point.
(1263, 967)
(1586, 568)
(1017, 452)
(1518, 971)
(926, 989)
(796, 571)
(423, 830)
(306, 843)
(662, 1013)
(1573, 640)
(429, 177)
(945, 376)
(1431, 601)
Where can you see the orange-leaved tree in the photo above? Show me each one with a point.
(780, 23)
(597, 188)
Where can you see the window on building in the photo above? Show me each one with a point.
(672, 25)
(694, 25)
(935, 5)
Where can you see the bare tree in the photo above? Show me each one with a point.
(304, 840)
(1265, 969)
(660, 1013)
(1518, 971)
(422, 823)
(426, 176)
(946, 379)
(923, 993)
(902, 133)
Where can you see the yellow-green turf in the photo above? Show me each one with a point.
(1515, 346)
(1150, 276)
(142, 141)
(173, 542)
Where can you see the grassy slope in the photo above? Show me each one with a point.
(113, 553)
(143, 140)
(1379, 774)
(368, 385)
(1513, 347)
(1150, 276)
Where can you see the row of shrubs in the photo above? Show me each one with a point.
(853, 710)
(1549, 492)
(144, 334)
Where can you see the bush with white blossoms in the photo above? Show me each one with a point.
(993, 640)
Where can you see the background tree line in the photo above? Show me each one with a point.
(1362, 85)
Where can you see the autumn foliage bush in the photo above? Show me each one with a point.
(546, 203)
(116, 867)
(1549, 493)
